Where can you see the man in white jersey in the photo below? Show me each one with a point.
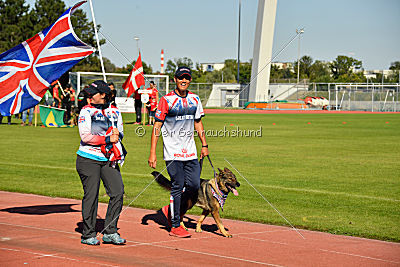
(177, 115)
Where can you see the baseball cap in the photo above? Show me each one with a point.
(98, 86)
(183, 70)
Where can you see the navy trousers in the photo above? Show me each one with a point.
(185, 178)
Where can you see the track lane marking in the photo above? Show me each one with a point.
(55, 256)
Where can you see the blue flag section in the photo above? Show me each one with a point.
(27, 70)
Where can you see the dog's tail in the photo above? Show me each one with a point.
(162, 180)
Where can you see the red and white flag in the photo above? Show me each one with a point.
(135, 79)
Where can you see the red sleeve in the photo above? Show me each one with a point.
(162, 110)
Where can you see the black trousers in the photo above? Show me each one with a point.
(138, 110)
(91, 171)
(67, 113)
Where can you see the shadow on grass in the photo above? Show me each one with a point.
(160, 219)
(42, 209)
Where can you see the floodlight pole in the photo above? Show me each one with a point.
(137, 43)
(299, 32)
(97, 40)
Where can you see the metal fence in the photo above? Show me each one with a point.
(341, 96)
(354, 97)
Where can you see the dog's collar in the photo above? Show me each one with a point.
(215, 186)
(221, 199)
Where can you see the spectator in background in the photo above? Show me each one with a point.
(153, 100)
(8, 118)
(138, 107)
(72, 92)
(66, 103)
(113, 94)
(48, 99)
(82, 99)
(56, 95)
(24, 115)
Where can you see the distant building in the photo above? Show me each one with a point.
(283, 65)
(209, 67)
(219, 66)
(371, 74)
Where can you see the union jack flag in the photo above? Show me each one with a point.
(27, 70)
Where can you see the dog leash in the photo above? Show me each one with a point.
(212, 166)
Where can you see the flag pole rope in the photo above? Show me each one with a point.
(122, 54)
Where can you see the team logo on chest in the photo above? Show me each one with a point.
(97, 116)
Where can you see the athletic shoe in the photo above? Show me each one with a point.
(179, 232)
(92, 241)
(113, 239)
(165, 211)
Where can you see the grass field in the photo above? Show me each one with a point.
(338, 173)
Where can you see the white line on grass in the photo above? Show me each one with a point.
(65, 168)
(261, 185)
(328, 192)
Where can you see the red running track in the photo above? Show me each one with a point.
(43, 231)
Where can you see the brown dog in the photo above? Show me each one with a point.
(211, 196)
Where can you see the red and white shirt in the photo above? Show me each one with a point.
(178, 114)
(93, 125)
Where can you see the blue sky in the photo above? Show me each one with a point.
(206, 30)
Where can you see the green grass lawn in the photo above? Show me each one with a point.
(319, 172)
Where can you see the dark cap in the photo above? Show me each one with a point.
(98, 86)
(183, 70)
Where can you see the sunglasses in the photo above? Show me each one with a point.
(184, 76)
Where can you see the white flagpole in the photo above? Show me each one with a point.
(97, 40)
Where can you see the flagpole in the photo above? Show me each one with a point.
(97, 40)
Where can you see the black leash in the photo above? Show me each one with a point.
(201, 165)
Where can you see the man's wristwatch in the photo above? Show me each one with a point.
(205, 146)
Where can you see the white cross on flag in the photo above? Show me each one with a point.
(135, 79)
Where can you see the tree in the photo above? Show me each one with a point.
(394, 76)
(46, 12)
(170, 68)
(178, 62)
(305, 67)
(16, 24)
(147, 69)
(320, 72)
(395, 65)
(343, 66)
(184, 61)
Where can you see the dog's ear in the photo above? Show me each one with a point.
(220, 170)
(227, 170)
